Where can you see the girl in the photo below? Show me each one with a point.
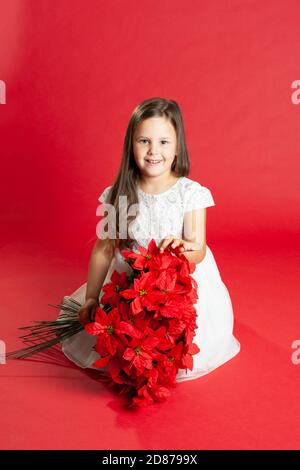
(154, 176)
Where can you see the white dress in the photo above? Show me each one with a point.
(161, 215)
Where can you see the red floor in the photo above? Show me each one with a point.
(252, 402)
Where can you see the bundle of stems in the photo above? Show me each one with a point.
(48, 333)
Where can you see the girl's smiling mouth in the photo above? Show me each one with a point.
(153, 161)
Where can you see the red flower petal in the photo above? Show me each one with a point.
(102, 362)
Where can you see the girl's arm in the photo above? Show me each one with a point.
(100, 260)
(193, 245)
(195, 235)
(195, 256)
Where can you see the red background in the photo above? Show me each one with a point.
(74, 71)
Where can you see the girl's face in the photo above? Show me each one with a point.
(154, 146)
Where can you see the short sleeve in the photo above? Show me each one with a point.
(197, 197)
(103, 197)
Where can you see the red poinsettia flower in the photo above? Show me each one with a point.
(108, 327)
(147, 395)
(160, 393)
(139, 353)
(145, 258)
(143, 293)
(176, 327)
(166, 281)
(163, 370)
(112, 289)
(165, 340)
(174, 356)
(187, 357)
(166, 261)
(124, 309)
(143, 397)
(167, 364)
(115, 368)
(139, 321)
(189, 318)
(169, 309)
(153, 374)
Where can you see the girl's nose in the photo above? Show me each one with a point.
(153, 151)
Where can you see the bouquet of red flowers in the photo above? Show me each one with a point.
(146, 327)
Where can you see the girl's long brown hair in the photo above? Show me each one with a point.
(125, 183)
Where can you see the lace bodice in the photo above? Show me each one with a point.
(162, 214)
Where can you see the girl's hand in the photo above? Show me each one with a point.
(178, 242)
(86, 313)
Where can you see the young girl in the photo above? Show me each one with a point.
(154, 176)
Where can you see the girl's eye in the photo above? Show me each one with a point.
(145, 140)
